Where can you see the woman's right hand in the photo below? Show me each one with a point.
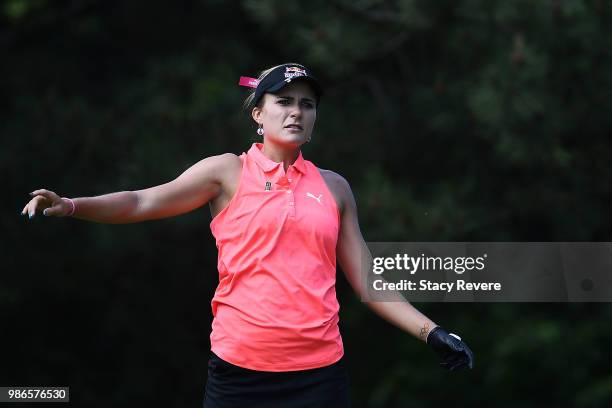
(48, 202)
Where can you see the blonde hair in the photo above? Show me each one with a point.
(248, 102)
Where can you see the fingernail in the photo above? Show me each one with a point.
(30, 215)
(45, 212)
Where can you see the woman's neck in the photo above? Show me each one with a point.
(279, 154)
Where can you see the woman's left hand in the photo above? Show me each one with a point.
(455, 354)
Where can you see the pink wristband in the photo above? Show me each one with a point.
(72, 204)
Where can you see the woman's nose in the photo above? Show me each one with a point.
(296, 111)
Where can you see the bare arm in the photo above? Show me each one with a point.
(350, 248)
(198, 185)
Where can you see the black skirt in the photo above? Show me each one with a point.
(230, 386)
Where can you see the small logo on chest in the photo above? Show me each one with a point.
(268, 186)
(315, 197)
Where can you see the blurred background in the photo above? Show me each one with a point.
(463, 120)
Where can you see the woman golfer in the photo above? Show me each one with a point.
(279, 224)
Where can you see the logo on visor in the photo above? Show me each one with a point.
(294, 72)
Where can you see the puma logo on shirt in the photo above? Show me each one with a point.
(316, 198)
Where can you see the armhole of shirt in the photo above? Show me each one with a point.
(335, 203)
(225, 209)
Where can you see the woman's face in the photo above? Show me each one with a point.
(288, 116)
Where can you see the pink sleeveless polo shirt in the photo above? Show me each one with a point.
(275, 308)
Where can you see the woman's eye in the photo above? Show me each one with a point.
(283, 102)
(309, 105)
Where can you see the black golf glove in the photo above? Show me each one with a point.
(455, 354)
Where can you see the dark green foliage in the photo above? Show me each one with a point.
(471, 120)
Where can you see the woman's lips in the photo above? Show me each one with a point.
(295, 128)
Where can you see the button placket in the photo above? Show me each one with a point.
(293, 178)
(291, 203)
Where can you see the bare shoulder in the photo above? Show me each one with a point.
(225, 161)
(338, 186)
(229, 158)
(217, 168)
(334, 179)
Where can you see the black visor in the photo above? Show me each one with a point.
(284, 75)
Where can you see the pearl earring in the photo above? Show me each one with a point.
(260, 131)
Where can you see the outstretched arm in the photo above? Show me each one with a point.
(198, 185)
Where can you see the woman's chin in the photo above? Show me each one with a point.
(293, 139)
